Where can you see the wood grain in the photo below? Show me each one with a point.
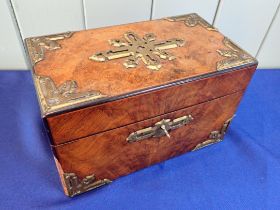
(71, 62)
(109, 155)
(80, 123)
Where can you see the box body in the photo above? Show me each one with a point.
(118, 99)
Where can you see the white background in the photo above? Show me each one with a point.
(253, 24)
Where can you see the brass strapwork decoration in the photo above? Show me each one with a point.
(38, 45)
(215, 136)
(161, 128)
(135, 48)
(192, 20)
(235, 56)
(75, 186)
(52, 95)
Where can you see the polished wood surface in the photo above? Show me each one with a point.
(83, 122)
(89, 136)
(108, 154)
(71, 62)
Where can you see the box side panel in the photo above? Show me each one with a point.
(87, 121)
(115, 153)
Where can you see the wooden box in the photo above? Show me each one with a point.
(118, 99)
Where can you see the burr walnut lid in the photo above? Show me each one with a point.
(77, 69)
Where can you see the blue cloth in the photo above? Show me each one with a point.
(242, 172)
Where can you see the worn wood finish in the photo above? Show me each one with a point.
(87, 121)
(109, 155)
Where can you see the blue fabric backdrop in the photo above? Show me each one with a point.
(242, 172)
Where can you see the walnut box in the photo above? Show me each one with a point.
(118, 99)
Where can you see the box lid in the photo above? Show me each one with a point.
(76, 69)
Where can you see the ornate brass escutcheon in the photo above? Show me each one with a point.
(160, 129)
(136, 48)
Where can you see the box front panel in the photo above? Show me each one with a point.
(121, 151)
(88, 121)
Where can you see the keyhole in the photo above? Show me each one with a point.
(165, 131)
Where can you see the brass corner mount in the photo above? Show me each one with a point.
(53, 97)
(215, 136)
(74, 186)
(235, 56)
(38, 45)
(192, 20)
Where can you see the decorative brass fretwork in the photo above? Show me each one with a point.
(38, 45)
(74, 186)
(160, 129)
(192, 20)
(52, 96)
(235, 56)
(136, 48)
(215, 136)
